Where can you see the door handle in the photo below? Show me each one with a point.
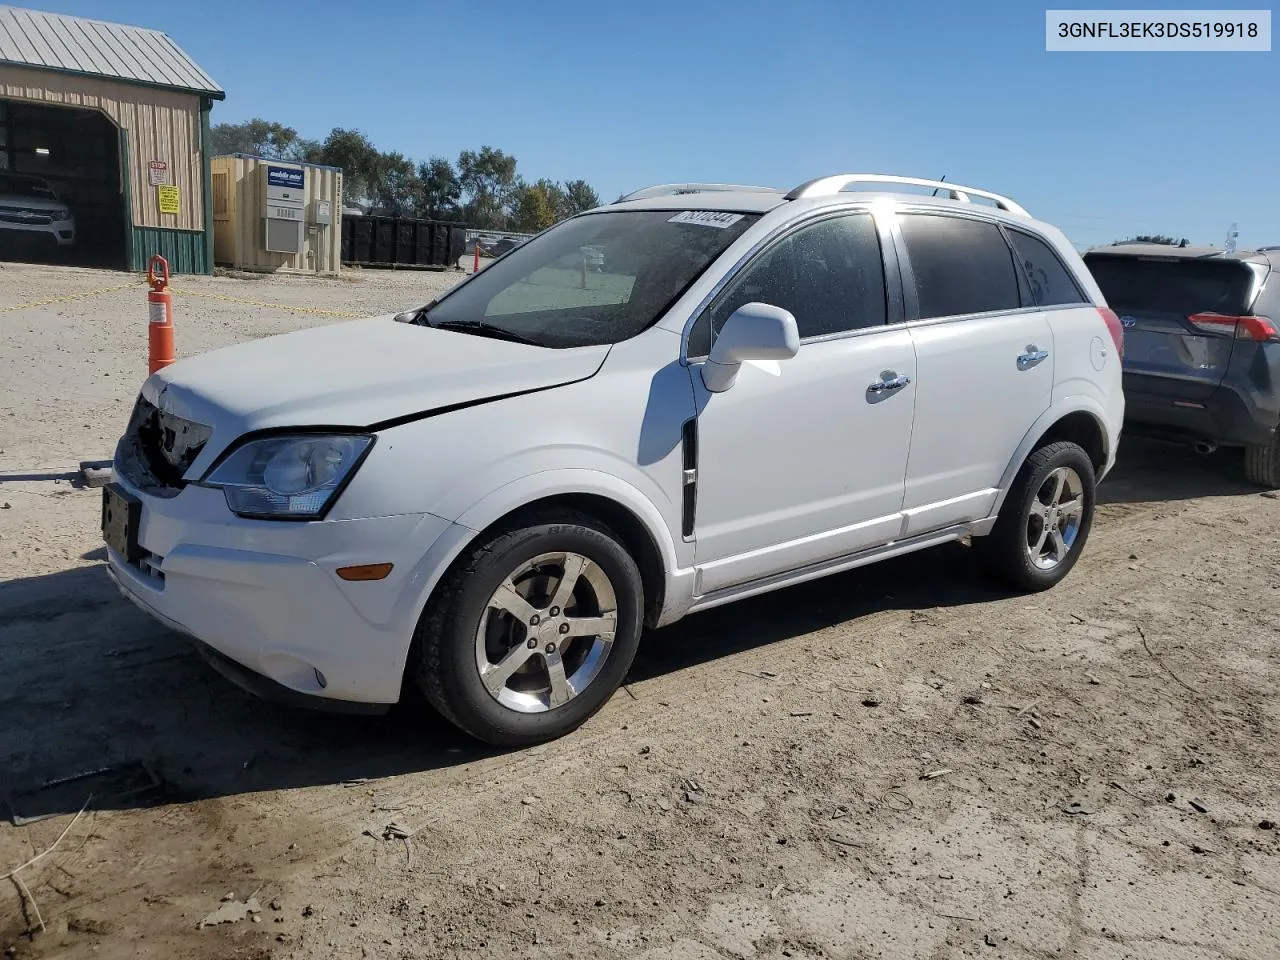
(1032, 357)
(889, 383)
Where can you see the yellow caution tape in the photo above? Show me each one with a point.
(262, 303)
(69, 298)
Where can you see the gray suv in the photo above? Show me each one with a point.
(1202, 345)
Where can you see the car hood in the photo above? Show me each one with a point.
(360, 373)
(29, 203)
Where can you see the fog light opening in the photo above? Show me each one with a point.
(320, 679)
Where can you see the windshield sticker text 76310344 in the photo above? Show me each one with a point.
(706, 218)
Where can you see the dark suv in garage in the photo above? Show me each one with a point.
(1202, 345)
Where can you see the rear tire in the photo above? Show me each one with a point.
(1045, 519)
(1262, 463)
(507, 655)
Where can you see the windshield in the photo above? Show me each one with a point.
(595, 279)
(25, 187)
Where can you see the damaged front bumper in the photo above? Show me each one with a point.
(266, 597)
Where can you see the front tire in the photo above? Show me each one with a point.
(531, 631)
(1045, 519)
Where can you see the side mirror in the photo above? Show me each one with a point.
(755, 331)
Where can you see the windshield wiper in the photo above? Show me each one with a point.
(482, 328)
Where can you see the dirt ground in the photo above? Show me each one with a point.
(896, 762)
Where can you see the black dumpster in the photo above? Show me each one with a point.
(401, 242)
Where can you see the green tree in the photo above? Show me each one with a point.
(361, 163)
(488, 181)
(482, 188)
(578, 197)
(440, 190)
(396, 187)
(537, 206)
(301, 150)
(262, 138)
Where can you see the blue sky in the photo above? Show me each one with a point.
(624, 95)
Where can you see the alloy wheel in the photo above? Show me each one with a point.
(1053, 522)
(546, 632)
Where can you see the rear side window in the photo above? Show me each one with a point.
(1173, 286)
(961, 266)
(1051, 283)
(829, 275)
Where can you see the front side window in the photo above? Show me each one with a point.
(961, 266)
(595, 279)
(828, 274)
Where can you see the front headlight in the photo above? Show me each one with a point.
(291, 477)
(62, 213)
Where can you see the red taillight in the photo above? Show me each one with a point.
(1242, 328)
(1115, 327)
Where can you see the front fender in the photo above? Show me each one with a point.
(517, 493)
(559, 482)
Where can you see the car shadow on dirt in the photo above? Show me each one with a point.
(88, 682)
(1150, 471)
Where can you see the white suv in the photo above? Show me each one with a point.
(488, 497)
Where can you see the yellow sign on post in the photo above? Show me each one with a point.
(167, 197)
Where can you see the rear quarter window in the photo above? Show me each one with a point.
(1052, 284)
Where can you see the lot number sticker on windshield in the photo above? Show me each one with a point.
(706, 218)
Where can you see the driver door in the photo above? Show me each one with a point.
(805, 459)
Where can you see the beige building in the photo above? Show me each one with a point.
(113, 121)
(272, 215)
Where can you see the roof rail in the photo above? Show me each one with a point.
(673, 189)
(825, 186)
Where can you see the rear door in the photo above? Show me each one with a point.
(984, 361)
(1166, 352)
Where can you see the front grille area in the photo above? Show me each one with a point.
(22, 216)
(158, 448)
